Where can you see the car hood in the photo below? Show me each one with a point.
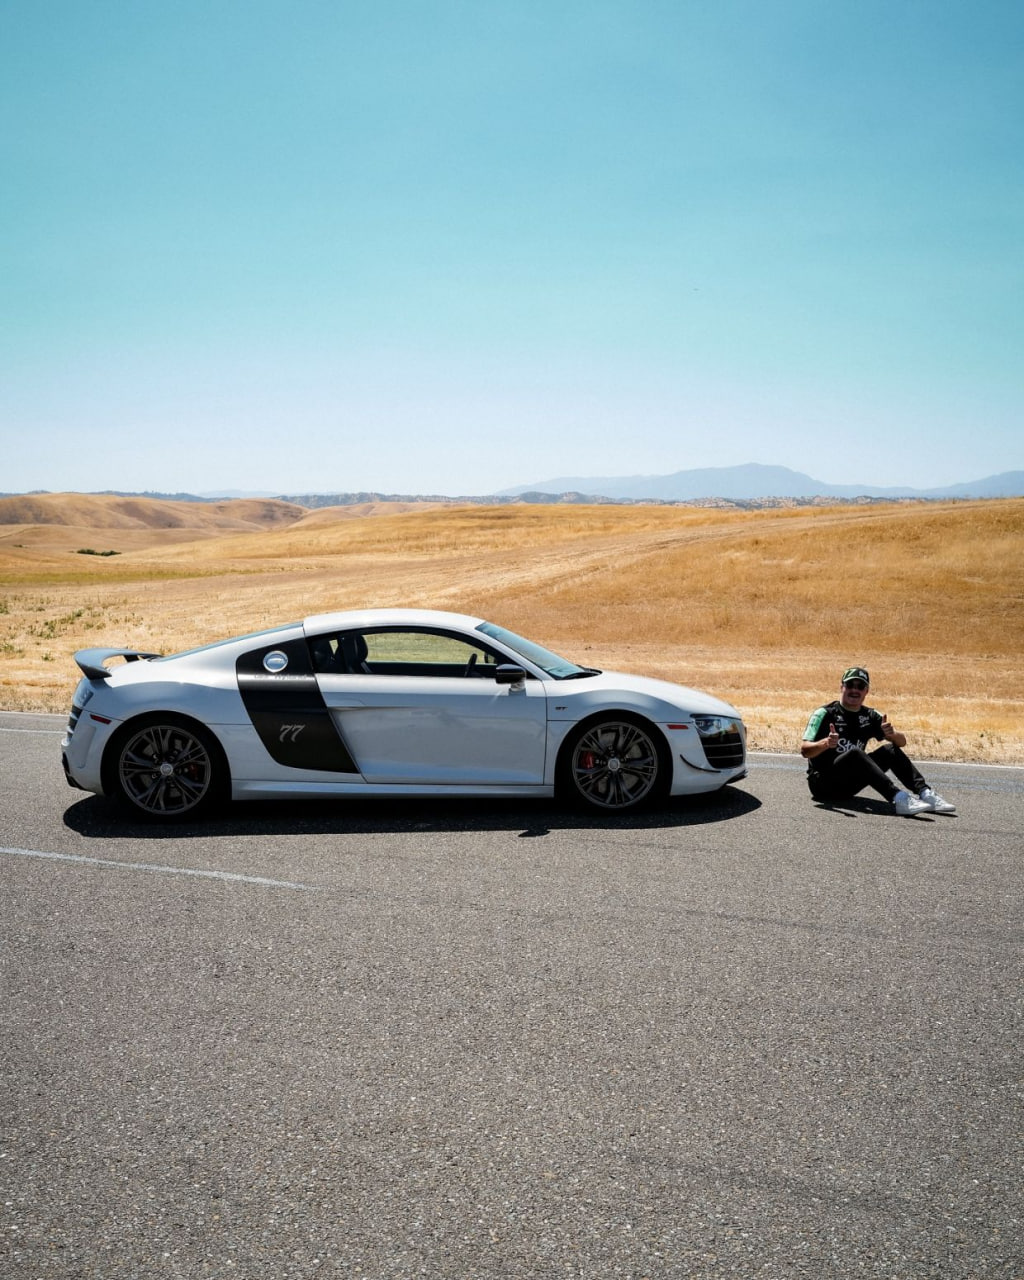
(672, 697)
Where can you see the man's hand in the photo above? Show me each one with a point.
(892, 735)
(829, 743)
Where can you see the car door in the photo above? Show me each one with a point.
(421, 706)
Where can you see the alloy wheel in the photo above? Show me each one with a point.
(165, 770)
(615, 765)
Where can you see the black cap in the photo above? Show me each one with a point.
(856, 673)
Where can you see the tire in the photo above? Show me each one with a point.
(613, 763)
(165, 768)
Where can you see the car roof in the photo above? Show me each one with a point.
(355, 619)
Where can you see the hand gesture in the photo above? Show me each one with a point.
(833, 737)
(887, 729)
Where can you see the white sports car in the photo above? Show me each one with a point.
(386, 702)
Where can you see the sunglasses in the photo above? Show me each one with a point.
(856, 686)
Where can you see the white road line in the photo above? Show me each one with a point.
(149, 866)
(780, 759)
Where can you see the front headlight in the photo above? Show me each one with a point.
(708, 726)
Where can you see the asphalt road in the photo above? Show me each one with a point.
(742, 1036)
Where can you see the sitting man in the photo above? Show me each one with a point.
(838, 766)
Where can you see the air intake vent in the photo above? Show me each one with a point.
(723, 750)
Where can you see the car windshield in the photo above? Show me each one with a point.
(550, 663)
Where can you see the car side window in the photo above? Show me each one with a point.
(403, 652)
(325, 654)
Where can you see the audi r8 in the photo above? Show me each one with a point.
(386, 703)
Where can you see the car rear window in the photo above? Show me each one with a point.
(219, 644)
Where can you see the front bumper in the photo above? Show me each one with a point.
(705, 762)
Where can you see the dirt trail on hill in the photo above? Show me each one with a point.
(545, 567)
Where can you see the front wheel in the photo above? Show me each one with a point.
(614, 764)
(166, 768)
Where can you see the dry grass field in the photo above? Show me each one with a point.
(764, 608)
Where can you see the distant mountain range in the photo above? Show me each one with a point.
(752, 481)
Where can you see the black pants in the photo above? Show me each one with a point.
(854, 770)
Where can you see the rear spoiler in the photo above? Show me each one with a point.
(91, 660)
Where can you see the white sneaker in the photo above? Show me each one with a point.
(907, 806)
(935, 802)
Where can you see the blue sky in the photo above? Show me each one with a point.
(457, 245)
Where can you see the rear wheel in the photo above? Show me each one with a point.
(166, 767)
(615, 763)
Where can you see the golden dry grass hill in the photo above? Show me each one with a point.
(764, 608)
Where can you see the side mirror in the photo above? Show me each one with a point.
(509, 674)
